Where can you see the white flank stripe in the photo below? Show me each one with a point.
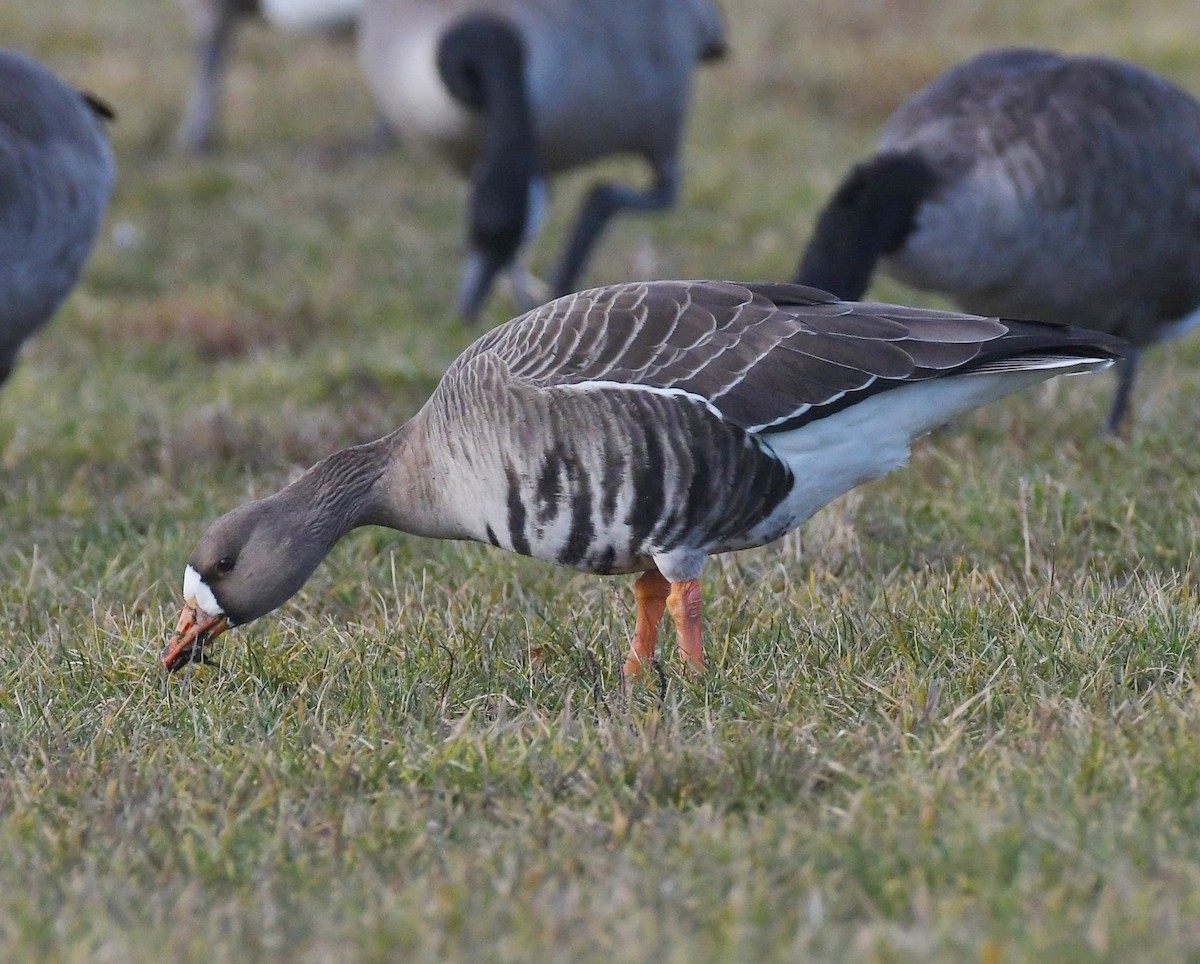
(796, 414)
(196, 593)
(604, 386)
(302, 15)
(804, 408)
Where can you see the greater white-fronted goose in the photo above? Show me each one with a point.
(214, 24)
(508, 91)
(56, 175)
(636, 428)
(1028, 184)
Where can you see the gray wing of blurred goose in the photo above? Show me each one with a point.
(637, 428)
(509, 91)
(1027, 184)
(56, 175)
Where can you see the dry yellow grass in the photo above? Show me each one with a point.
(956, 719)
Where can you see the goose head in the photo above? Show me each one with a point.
(249, 562)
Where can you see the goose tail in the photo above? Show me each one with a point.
(1032, 346)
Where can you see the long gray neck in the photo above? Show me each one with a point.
(341, 492)
(394, 481)
(416, 494)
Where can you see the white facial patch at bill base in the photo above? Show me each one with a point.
(196, 592)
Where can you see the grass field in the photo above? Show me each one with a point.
(956, 718)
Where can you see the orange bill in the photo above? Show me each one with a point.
(195, 630)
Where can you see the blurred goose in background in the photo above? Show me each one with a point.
(56, 175)
(509, 91)
(213, 24)
(1028, 184)
(636, 428)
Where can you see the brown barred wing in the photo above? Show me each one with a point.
(768, 357)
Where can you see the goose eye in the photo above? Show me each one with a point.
(225, 563)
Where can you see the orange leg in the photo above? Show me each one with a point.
(684, 603)
(651, 590)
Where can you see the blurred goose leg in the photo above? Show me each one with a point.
(1118, 417)
(651, 590)
(197, 130)
(381, 138)
(684, 602)
(528, 291)
(603, 201)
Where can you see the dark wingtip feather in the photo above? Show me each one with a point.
(100, 108)
(783, 293)
(1067, 339)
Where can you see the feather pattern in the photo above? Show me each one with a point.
(762, 356)
(610, 429)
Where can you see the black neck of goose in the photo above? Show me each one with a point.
(340, 492)
(482, 63)
(871, 215)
